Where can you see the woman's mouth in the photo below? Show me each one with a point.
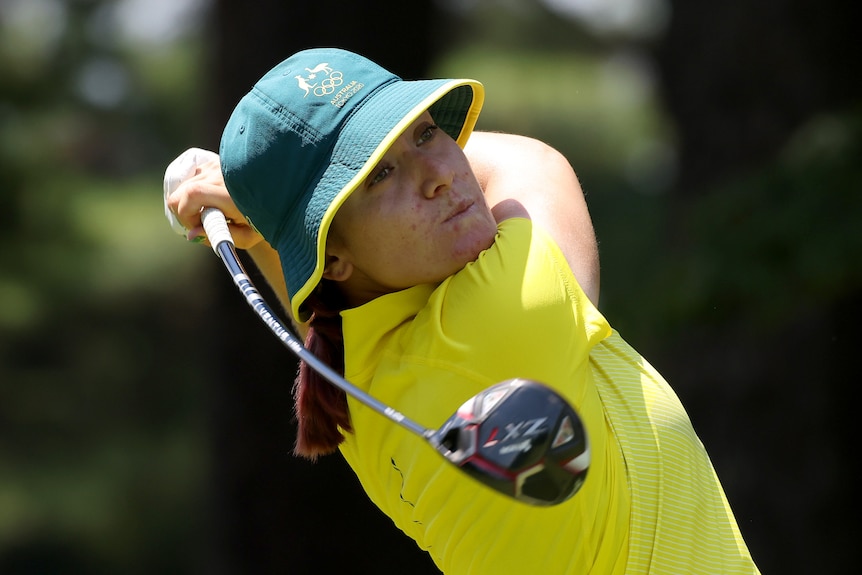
(459, 209)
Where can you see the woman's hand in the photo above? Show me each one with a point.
(205, 188)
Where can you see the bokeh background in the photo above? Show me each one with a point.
(145, 414)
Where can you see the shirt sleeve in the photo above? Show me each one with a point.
(520, 311)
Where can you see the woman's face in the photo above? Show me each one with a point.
(419, 217)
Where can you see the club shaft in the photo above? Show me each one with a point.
(227, 253)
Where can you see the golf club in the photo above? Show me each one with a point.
(518, 437)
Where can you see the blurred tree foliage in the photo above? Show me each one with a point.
(718, 145)
(101, 445)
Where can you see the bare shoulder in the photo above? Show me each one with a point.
(501, 140)
(521, 161)
(496, 148)
(509, 166)
(522, 174)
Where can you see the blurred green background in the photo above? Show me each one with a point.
(145, 416)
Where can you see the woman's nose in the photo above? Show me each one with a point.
(437, 177)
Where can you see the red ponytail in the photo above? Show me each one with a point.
(320, 407)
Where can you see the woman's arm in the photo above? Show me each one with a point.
(206, 189)
(520, 176)
(523, 176)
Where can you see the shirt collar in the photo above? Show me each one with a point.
(369, 327)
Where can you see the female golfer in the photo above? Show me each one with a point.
(427, 269)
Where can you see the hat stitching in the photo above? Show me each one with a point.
(288, 119)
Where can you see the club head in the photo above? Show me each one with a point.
(520, 438)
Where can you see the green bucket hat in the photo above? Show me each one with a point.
(309, 132)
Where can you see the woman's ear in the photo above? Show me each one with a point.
(337, 269)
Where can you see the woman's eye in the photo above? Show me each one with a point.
(427, 133)
(380, 176)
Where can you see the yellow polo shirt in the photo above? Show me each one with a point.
(651, 502)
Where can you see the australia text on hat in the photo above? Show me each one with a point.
(332, 80)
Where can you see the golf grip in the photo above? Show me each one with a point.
(217, 231)
(216, 228)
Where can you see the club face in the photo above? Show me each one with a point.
(520, 438)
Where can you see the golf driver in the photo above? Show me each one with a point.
(518, 437)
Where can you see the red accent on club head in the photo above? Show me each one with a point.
(492, 439)
(478, 461)
(465, 415)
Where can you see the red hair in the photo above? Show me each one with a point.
(320, 407)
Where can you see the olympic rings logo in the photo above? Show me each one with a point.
(328, 85)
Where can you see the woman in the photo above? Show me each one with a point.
(427, 273)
